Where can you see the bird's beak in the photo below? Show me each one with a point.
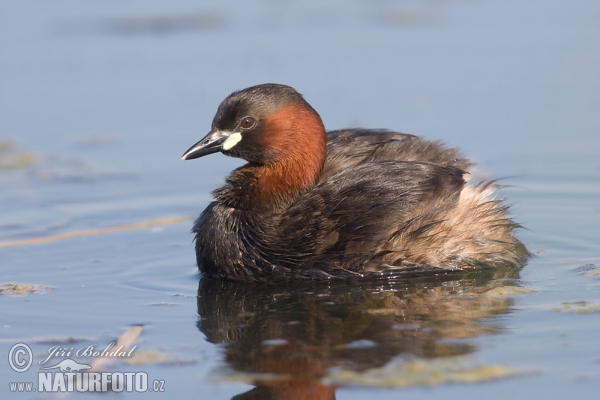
(211, 143)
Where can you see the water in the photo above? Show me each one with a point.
(99, 100)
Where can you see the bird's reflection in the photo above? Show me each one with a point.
(286, 338)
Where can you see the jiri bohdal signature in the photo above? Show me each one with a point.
(87, 351)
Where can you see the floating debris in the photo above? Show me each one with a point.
(11, 160)
(123, 343)
(187, 296)
(589, 270)
(162, 303)
(142, 357)
(382, 311)
(580, 307)
(423, 372)
(62, 340)
(508, 291)
(20, 289)
(98, 231)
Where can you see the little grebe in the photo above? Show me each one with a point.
(343, 204)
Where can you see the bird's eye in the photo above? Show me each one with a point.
(247, 123)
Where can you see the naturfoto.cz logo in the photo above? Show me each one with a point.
(69, 375)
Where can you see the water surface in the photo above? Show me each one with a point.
(99, 100)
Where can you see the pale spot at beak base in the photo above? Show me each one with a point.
(232, 140)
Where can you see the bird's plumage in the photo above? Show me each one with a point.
(377, 203)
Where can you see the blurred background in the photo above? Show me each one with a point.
(101, 91)
(124, 87)
(98, 100)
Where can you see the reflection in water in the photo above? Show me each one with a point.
(284, 339)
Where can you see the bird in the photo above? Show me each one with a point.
(312, 205)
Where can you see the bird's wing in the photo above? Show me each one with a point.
(351, 147)
(357, 210)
